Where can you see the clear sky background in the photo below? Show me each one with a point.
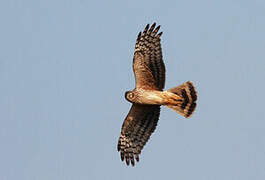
(64, 68)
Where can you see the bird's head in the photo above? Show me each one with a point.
(130, 96)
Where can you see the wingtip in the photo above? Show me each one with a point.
(156, 29)
(139, 35)
(151, 28)
(146, 28)
(137, 158)
(122, 156)
(160, 34)
(153, 25)
(132, 162)
(127, 161)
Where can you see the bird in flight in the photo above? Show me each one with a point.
(148, 95)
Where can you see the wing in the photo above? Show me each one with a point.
(137, 128)
(148, 65)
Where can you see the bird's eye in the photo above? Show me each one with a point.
(130, 96)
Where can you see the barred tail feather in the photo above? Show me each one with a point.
(188, 93)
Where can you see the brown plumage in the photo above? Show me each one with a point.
(136, 130)
(148, 65)
(148, 95)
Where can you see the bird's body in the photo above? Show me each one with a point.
(155, 97)
(148, 95)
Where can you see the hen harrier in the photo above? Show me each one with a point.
(148, 96)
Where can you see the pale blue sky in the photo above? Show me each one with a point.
(64, 68)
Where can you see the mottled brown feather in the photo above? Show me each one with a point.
(137, 128)
(149, 71)
(148, 65)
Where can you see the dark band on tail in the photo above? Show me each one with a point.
(192, 91)
(192, 99)
(186, 99)
(188, 93)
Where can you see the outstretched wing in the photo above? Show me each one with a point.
(137, 128)
(148, 65)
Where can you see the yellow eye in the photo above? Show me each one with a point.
(130, 95)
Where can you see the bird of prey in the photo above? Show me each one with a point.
(148, 95)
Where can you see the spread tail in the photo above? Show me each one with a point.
(188, 93)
